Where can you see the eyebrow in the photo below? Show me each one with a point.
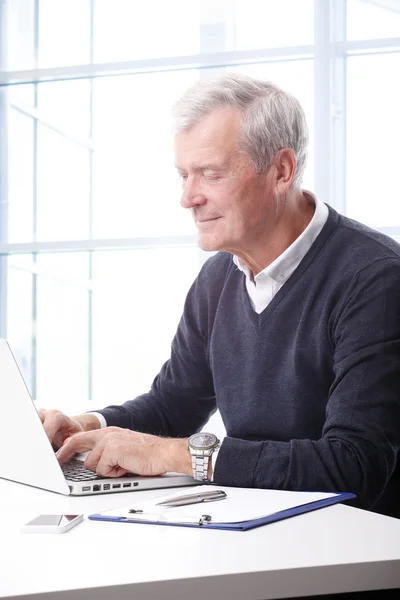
(205, 167)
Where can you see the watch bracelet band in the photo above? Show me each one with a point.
(200, 467)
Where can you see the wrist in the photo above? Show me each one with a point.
(179, 457)
(88, 421)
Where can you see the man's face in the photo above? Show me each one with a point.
(231, 204)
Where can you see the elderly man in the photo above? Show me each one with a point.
(295, 338)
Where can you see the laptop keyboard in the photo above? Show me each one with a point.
(74, 470)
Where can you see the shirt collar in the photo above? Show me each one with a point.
(284, 265)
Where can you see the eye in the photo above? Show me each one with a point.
(212, 175)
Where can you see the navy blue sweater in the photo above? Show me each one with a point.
(308, 390)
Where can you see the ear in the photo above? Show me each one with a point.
(285, 168)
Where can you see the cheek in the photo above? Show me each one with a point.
(227, 195)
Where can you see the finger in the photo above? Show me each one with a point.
(98, 460)
(55, 441)
(52, 424)
(108, 464)
(105, 458)
(59, 439)
(93, 457)
(80, 442)
(104, 437)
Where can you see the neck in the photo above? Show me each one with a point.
(293, 216)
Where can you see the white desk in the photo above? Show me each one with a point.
(332, 550)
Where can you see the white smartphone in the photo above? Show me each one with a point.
(52, 524)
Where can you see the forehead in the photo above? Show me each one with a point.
(216, 135)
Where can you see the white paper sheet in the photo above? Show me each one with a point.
(241, 504)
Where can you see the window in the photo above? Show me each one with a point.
(137, 302)
(373, 98)
(96, 255)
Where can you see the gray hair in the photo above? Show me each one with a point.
(272, 118)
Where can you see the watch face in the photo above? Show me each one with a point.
(202, 440)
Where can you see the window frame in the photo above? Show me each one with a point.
(329, 52)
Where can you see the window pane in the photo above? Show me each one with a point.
(373, 131)
(20, 177)
(372, 20)
(66, 104)
(136, 189)
(64, 32)
(133, 29)
(137, 303)
(62, 188)
(265, 23)
(20, 27)
(19, 313)
(24, 93)
(129, 30)
(296, 77)
(62, 327)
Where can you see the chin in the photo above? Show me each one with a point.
(208, 243)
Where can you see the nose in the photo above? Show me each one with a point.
(191, 193)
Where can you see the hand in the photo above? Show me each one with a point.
(59, 427)
(115, 451)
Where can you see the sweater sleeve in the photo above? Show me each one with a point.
(182, 397)
(360, 440)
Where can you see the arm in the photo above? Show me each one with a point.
(358, 448)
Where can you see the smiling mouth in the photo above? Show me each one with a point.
(207, 220)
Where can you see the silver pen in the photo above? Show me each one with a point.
(209, 496)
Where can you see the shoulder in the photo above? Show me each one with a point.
(365, 243)
(361, 267)
(349, 248)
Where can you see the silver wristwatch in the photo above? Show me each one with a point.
(201, 447)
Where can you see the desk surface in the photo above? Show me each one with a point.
(332, 550)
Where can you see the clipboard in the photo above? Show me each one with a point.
(293, 503)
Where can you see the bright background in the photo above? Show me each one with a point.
(96, 255)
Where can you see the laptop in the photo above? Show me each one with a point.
(27, 456)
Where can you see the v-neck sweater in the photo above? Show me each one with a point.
(309, 389)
